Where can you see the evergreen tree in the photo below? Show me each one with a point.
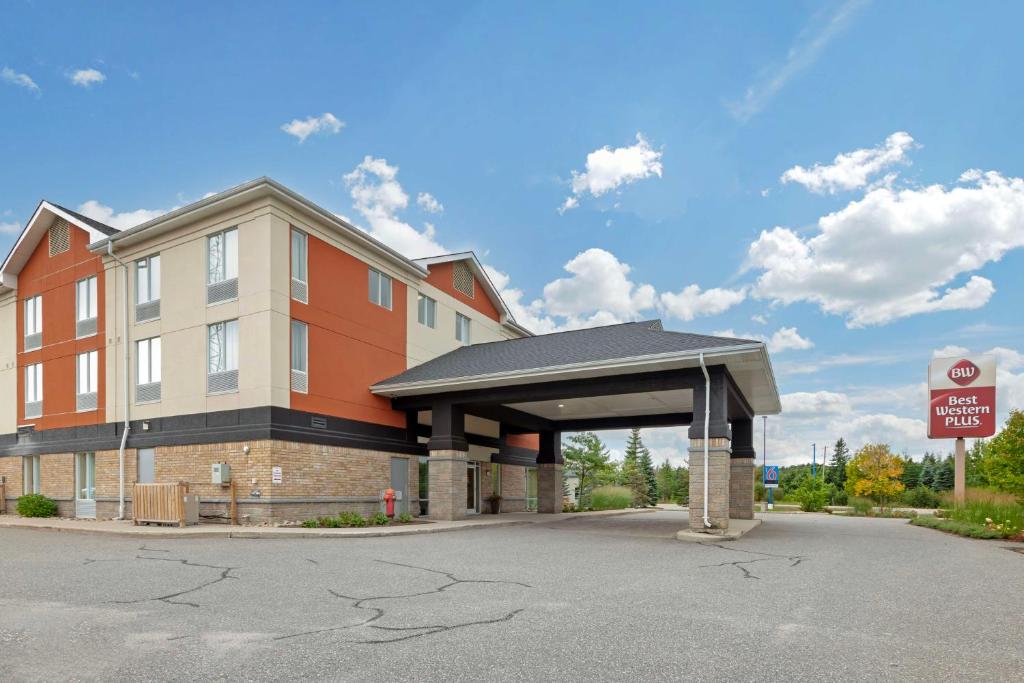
(682, 493)
(927, 477)
(911, 474)
(632, 474)
(945, 475)
(647, 466)
(836, 472)
(666, 479)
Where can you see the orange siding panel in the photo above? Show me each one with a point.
(441, 276)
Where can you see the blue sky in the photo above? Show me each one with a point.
(840, 179)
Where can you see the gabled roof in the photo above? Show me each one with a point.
(628, 347)
(478, 270)
(41, 220)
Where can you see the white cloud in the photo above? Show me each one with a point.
(121, 221)
(802, 54)
(378, 197)
(853, 169)
(760, 319)
(86, 78)
(812, 404)
(896, 253)
(9, 75)
(326, 123)
(608, 169)
(10, 228)
(949, 351)
(691, 302)
(429, 203)
(784, 339)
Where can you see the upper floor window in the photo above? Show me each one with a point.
(426, 311)
(300, 287)
(147, 288)
(462, 329)
(222, 266)
(33, 323)
(222, 357)
(33, 390)
(147, 370)
(380, 288)
(86, 307)
(87, 381)
(300, 356)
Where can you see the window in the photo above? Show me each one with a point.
(30, 474)
(87, 380)
(462, 329)
(427, 311)
(222, 266)
(424, 485)
(33, 390)
(147, 370)
(300, 352)
(85, 477)
(496, 478)
(86, 307)
(222, 357)
(147, 288)
(300, 286)
(33, 323)
(380, 288)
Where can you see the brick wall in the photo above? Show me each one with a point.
(513, 488)
(718, 483)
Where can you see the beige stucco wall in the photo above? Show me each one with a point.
(8, 363)
(425, 343)
(261, 310)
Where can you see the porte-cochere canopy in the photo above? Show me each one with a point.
(613, 377)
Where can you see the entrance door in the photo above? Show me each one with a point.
(531, 489)
(400, 482)
(472, 488)
(147, 466)
(85, 485)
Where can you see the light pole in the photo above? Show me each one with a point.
(814, 460)
(764, 455)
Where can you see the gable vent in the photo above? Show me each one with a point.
(462, 278)
(60, 237)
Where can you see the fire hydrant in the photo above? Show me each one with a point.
(389, 502)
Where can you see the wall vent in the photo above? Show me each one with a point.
(462, 278)
(60, 237)
(317, 422)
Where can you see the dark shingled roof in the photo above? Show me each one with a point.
(95, 224)
(594, 344)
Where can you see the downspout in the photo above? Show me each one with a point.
(127, 385)
(707, 426)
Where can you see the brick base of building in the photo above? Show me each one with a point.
(741, 488)
(719, 470)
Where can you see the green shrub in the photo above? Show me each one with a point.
(405, 518)
(352, 519)
(920, 497)
(1007, 519)
(611, 498)
(812, 495)
(961, 528)
(839, 497)
(862, 507)
(311, 523)
(379, 519)
(36, 505)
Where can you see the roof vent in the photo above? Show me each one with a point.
(60, 237)
(655, 325)
(462, 278)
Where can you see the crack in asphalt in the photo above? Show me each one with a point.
(794, 560)
(169, 598)
(425, 630)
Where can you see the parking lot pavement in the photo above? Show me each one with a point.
(804, 597)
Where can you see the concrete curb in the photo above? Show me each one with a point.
(737, 528)
(210, 531)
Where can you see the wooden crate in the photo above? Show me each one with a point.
(159, 503)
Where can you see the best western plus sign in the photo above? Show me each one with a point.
(963, 397)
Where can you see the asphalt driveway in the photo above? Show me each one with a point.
(804, 597)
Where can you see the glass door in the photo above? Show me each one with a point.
(531, 489)
(472, 488)
(85, 485)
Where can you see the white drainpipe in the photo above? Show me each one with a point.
(127, 384)
(707, 425)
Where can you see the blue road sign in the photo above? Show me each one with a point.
(771, 476)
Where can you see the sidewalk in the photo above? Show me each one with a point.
(127, 528)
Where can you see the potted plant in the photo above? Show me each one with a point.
(495, 503)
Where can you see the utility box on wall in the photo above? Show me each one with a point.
(221, 473)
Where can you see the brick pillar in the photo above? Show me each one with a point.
(549, 488)
(549, 472)
(447, 485)
(718, 484)
(741, 478)
(447, 463)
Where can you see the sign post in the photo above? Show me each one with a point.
(770, 479)
(962, 404)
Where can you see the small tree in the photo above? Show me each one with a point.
(875, 472)
(1003, 463)
(836, 473)
(586, 457)
(651, 479)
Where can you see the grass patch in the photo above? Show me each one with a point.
(611, 498)
(955, 526)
